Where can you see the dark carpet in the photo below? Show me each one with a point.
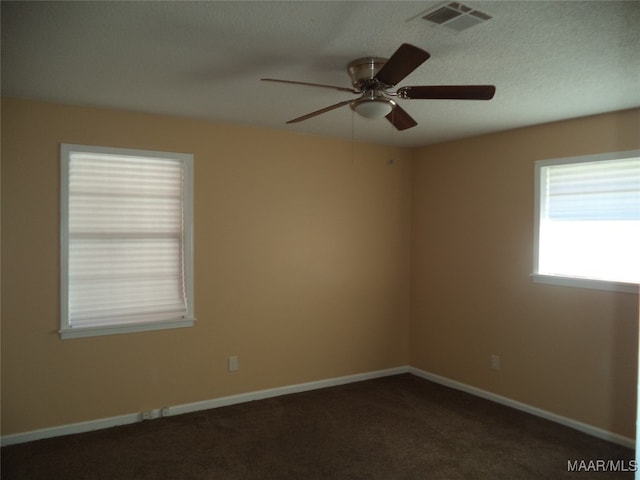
(399, 427)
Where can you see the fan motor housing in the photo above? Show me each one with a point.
(363, 70)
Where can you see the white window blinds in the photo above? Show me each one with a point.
(605, 190)
(126, 238)
(589, 218)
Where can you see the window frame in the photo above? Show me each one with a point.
(569, 281)
(68, 331)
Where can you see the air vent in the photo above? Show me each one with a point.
(455, 16)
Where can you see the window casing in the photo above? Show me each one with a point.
(587, 221)
(126, 240)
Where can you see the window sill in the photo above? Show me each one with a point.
(66, 333)
(586, 283)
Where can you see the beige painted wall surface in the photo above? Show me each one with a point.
(566, 350)
(301, 255)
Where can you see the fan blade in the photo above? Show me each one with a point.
(340, 89)
(318, 112)
(448, 92)
(400, 119)
(404, 61)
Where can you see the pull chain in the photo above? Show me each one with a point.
(353, 138)
(391, 161)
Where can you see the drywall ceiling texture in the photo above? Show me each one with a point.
(548, 61)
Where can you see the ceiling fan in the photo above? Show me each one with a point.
(373, 77)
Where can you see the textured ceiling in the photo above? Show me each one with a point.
(548, 61)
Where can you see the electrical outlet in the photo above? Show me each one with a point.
(151, 414)
(233, 363)
(165, 412)
(495, 362)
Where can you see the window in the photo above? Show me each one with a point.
(126, 238)
(588, 221)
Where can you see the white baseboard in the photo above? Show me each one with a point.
(538, 412)
(129, 418)
(91, 425)
(70, 429)
(276, 392)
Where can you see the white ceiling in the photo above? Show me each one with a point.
(549, 60)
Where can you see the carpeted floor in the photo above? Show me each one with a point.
(400, 427)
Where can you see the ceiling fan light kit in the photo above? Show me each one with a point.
(374, 77)
(373, 104)
(373, 108)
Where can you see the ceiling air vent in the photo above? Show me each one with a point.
(456, 16)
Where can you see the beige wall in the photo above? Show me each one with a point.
(566, 350)
(310, 254)
(301, 254)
